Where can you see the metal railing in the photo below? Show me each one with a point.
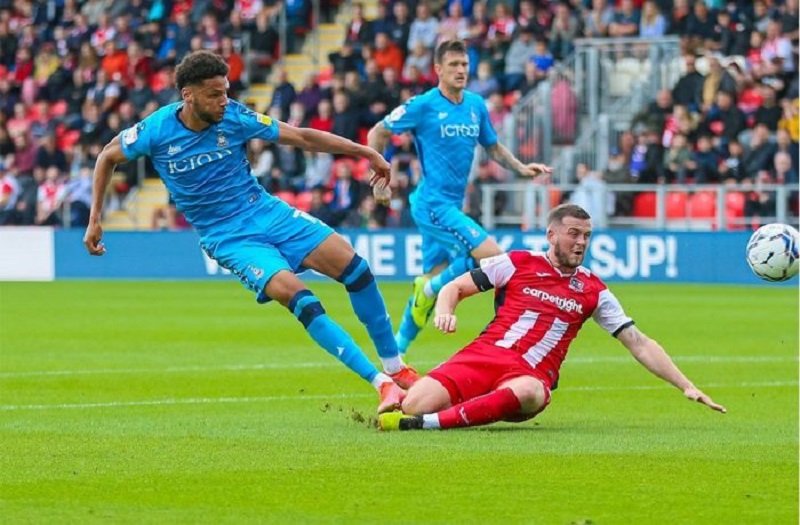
(589, 96)
(693, 207)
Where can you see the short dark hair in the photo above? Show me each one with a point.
(558, 213)
(199, 66)
(450, 46)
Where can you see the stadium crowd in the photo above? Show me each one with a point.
(74, 73)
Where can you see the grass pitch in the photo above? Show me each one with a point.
(125, 402)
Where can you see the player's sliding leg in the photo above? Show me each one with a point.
(336, 258)
(287, 289)
(516, 400)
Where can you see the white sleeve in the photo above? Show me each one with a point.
(498, 269)
(610, 315)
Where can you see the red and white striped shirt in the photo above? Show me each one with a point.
(539, 310)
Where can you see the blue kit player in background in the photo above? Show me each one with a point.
(448, 123)
(199, 148)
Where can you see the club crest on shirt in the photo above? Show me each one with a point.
(222, 142)
(576, 284)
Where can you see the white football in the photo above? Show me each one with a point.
(772, 252)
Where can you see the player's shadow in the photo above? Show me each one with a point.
(511, 428)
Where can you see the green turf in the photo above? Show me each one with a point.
(188, 403)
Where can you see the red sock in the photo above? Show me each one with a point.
(494, 406)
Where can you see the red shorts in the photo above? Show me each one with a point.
(478, 369)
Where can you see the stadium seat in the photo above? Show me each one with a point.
(303, 201)
(360, 170)
(555, 197)
(703, 205)
(287, 197)
(676, 204)
(644, 205)
(734, 210)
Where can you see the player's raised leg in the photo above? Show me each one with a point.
(290, 291)
(517, 399)
(335, 258)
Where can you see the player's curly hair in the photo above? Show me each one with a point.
(558, 213)
(449, 46)
(199, 66)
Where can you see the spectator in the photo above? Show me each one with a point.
(732, 168)
(345, 60)
(782, 172)
(783, 143)
(283, 95)
(323, 120)
(676, 160)
(346, 191)
(263, 47)
(768, 112)
(777, 47)
(700, 29)
(9, 193)
(262, 160)
(521, 50)
(424, 28)
(78, 194)
(705, 162)
(790, 21)
(359, 30)
(484, 177)
(321, 209)
(563, 32)
(49, 197)
(790, 121)
(386, 54)
(455, 26)
(346, 120)
(653, 23)
(140, 94)
(400, 27)
(626, 20)
(48, 156)
(597, 20)
(420, 58)
(689, 89)
(235, 63)
(311, 94)
(724, 118)
(717, 80)
(760, 152)
(760, 204)
(485, 84)
(654, 116)
(542, 56)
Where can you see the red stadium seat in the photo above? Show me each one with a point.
(734, 210)
(303, 201)
(360, 170)
(644, 205)
(703, 205)
(676, 204)
(287, 197)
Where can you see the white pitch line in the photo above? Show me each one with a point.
(332, 364)
(334, 397)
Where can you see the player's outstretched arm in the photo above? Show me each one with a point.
(103, 168)
(650, 354)
(449, 297)
(320, 141)
(505, 158)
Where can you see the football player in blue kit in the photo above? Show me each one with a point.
(199, 149)
(447, 122)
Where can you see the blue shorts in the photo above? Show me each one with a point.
(279, 237)
(447, 234)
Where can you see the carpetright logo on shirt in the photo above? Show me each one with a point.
(196, 161)
(459, 130)
(564, 304)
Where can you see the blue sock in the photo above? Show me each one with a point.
(457, 267)
(370, 309)
(408, 330)
(329, 335)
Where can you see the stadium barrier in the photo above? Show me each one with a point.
(44, 254)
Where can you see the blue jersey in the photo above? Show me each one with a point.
(445, 135)
(206, 172)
